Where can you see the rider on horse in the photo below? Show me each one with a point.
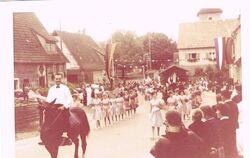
(63, 100)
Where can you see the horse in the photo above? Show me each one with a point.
(52, 128)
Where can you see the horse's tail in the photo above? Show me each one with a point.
(83, 118)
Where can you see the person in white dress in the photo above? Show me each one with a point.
(171, 102)
(156, 119)
(106, 108)
(89, 92)
(121, 110)
(97, 109)
(113, 108)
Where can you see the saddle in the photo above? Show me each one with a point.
(73, 120)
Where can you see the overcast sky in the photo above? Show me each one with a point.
(100, 18)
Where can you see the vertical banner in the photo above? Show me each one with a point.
(219, 51)
(110, 49)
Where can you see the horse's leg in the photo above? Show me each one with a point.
(76, 142)
(84, 144)
(53, 150)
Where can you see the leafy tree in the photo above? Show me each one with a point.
(128, 48)
(162, 48)
(131, 49)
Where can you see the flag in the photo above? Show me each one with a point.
(230, 51)
(110, 49)
(220, 51)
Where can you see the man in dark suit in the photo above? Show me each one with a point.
(233, 116)
(211, 137)
(178, 141)
(226, 130)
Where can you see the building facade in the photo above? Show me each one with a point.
(86, 61)
(36, 56)
(196, 46)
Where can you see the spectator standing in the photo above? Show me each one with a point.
(177, 142)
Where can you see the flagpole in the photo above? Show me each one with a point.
(113, 65)
(60, 36)
(149, 50)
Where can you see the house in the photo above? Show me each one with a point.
(173, 74)
(36, 55)
(86, 60)
(196, 46)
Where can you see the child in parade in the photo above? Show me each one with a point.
(97, 109)
(106, 108)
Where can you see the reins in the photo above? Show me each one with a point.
(54, 121)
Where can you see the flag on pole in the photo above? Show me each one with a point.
(220, 51)
(110, 49)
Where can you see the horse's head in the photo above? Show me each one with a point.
(43, 104)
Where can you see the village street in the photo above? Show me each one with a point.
(129, 138)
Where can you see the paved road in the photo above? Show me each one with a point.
(129, 138)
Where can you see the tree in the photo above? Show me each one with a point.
(131, 49)
(161, 47)
(128, 48)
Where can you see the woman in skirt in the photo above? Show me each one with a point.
(119, 102)
(97, 109)
(155, 114)
(126, 103)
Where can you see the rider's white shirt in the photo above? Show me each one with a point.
(62, 95)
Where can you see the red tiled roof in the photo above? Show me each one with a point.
(27, 47)
(84, 49)
(209, 11)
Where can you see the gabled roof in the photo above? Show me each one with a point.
(209, 11)
(171, 66)
(84, 49)
(27, 47)
(202, 34)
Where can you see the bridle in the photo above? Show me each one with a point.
(54, 121)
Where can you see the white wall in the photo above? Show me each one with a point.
(205, 17)
(202, 57)
(72, 62)
(98, 76)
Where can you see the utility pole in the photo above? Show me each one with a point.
(149, 51)
(60, 36)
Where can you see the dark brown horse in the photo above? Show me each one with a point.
(52, 128)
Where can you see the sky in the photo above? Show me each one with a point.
(102, 18)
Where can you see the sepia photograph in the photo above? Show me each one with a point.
(126, 79)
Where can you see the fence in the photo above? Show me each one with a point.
(27, 118)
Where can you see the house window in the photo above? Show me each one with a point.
(211, 56)
(61, 68)
(50, 47)
(54, 68)
(193, 57)
(16, 83)
(49, 69)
